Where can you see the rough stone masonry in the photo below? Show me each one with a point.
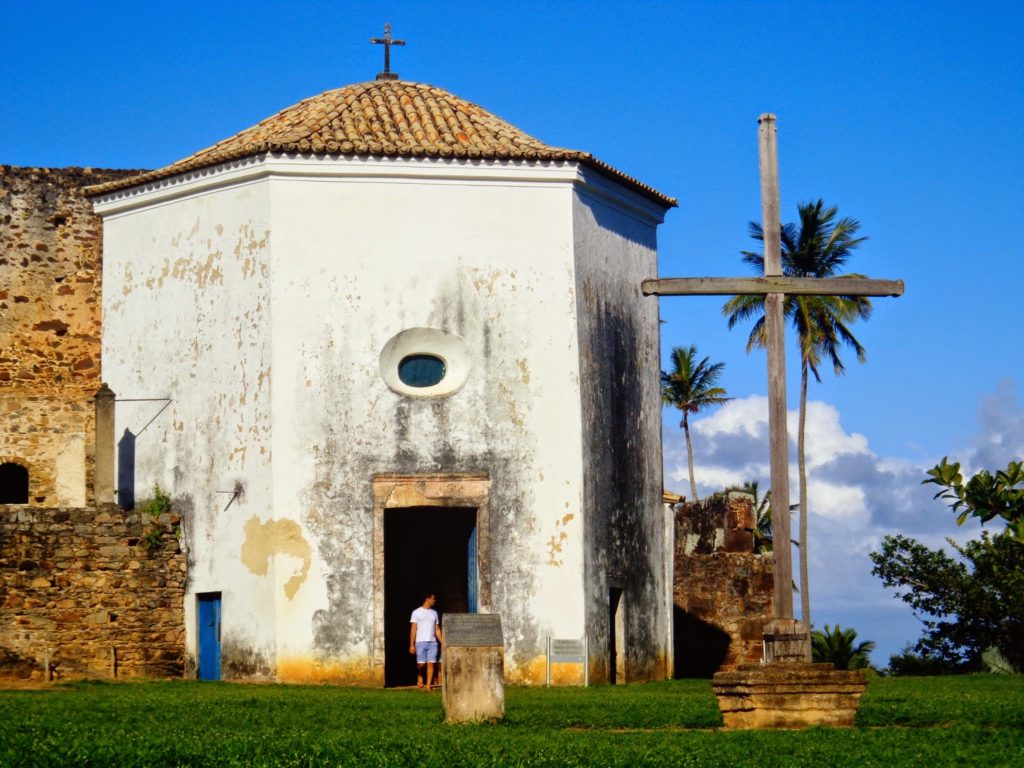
(86, 594)
(50, 251)
(722, 590)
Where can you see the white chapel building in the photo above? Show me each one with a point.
(384, 343)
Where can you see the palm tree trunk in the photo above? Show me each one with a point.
(805, 592)
(689, 456)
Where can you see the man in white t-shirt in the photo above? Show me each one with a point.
(425, 640)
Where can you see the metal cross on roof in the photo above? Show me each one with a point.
(387, 41)
(785, 638)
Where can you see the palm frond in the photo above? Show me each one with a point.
(692, 385)
(818, 248)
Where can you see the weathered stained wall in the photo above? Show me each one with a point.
(289, 276)
(304, 281)
(80, 584)
(186, 348)
(50, 246)
(615, 249)
(490, 263)
(723, 592)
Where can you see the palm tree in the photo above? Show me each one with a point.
(819, 247)
(691, 387)
(835, 646)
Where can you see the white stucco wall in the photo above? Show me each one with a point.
(259, 298)
(356, 261)
(186, 317)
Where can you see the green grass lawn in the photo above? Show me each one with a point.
(969, 721)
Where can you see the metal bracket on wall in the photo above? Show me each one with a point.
(235, 494)
(165, 400)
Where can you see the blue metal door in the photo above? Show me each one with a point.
(471, 571)
(209, 635)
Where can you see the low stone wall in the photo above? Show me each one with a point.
(90, 592)
(723, 593)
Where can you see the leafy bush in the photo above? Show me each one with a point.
(907, 663)
(154, 508)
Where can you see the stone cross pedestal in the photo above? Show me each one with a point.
(788, 695)
(473, 685)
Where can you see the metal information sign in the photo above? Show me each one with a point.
(562, 651)
(473, 629)
(568, 651)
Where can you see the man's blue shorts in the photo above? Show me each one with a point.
(426, 651)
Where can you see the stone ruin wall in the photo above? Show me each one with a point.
(83, 595)
(81, 592)
(50, 271)
(723, 592)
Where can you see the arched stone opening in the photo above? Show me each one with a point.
(13, 483)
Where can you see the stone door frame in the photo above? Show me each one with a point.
(394, 491)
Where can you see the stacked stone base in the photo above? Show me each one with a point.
(473, 687)
(789, 695)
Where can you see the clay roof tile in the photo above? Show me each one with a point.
(387, 118)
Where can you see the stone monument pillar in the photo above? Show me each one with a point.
(473, 684)
(103, 480)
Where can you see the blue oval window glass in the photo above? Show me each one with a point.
(421, 370)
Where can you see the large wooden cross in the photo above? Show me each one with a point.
(774, 287)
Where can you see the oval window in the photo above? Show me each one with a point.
(421, 370)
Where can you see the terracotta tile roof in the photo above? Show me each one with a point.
(384, 118)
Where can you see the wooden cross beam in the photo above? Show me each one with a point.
(774, 287)
(794, 286)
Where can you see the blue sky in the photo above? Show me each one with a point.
(908, 116)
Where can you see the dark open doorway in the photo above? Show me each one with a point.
(13, 484)
(425, 548)
(616, 637)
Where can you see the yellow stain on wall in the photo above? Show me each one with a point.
(275, 537)
(306, 669)
(558, 539)
(534, 672)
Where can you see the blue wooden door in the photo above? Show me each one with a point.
(471, 571)
(209, 635)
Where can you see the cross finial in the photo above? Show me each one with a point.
(387, 41)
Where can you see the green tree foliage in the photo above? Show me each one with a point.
(966, 605)
(973, 602)
(907, 663)
(819, 247)
(836, 646)
(691, 386)
(985, 496)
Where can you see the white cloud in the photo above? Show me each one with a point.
(836, 500)
(826, 434)
(1002, 430)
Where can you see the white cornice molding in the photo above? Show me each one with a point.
(600, 187)
(371, 169)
